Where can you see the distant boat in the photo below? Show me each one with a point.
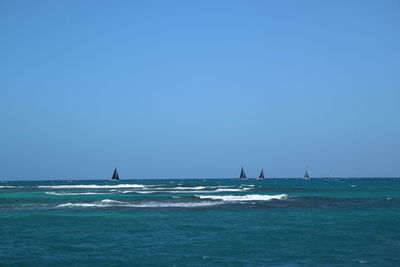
(261, 177)
(307, 175)
(242, 175)
(115, 176)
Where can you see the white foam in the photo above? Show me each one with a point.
(92, 186)
(75, 194)
(182, 188)
(181, 192)
(7, 186)
(126, 191)
(174, 205)
(146, 192)
(102, 204)
(231, 189)
(113, 203)
(244, 198)
(166, 191)
(154, 187)
(85, 205)
(176, 192)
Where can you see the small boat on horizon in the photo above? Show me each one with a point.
(242, 175)
(115, 176)
(261, 177)
(306, 175)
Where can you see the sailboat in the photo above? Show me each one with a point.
(115, 176)
(261, 177)
(307, 175)
(242, 175)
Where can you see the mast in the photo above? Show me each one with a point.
(115, 176)
(243, 174)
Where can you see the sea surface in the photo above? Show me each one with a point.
(201, 222)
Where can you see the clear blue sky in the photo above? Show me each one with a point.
(171, 89)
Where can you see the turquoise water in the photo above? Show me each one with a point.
(215, 222)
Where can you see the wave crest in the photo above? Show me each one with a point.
(244, 198)
(92, 186)
(106, 203)
(75, 194)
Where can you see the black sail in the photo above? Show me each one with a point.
(242, 174)
(261, 174)
(115, 175)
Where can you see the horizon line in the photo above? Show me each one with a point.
(204, 178)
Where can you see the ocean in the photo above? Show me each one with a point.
(201, 222)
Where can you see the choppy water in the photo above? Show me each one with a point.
(275, 222)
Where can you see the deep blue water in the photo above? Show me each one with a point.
(215, 222)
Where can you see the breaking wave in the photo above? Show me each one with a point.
(106, 203)
(167, 191)
(141, 192)
(176, 205)
(103, 203)
(180, 188)
(92, 186)
(75, 194)
(232, 189)
(144, 191)
(189, 187)
(112, 201)
(84, 205)
(244, 198)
